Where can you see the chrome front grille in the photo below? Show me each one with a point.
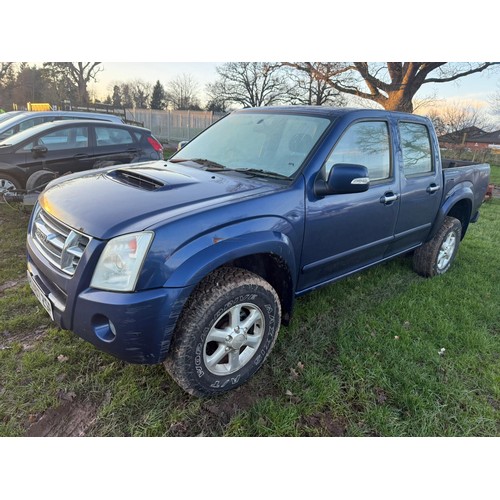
(60, 244)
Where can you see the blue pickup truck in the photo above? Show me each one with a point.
(197, 261)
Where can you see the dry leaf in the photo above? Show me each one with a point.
(61, 358)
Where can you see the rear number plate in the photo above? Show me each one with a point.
(42, 298)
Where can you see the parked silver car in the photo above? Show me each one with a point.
(22, 121)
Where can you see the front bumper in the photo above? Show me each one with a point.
(134, 327)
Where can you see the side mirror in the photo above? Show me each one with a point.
(38, 151)
(181, 145)
(343, 178)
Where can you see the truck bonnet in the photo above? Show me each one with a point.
(108, 202)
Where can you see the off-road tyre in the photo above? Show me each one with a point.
(39, 180)
(203, 332)
(436, 256)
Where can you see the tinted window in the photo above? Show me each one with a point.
(109, 136)
(30, 123)
(416, 148)
(67, 138)
(26, 124)
(367, 144)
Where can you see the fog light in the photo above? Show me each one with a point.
(103, 328)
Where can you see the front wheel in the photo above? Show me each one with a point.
(436, 256)
(225, 333)
(8, 183)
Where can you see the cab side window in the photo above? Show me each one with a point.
(416, 148)
(367, 144)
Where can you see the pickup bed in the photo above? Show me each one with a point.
(197, 261)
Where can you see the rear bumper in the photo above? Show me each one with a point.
(134, 327)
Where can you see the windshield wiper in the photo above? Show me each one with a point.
(213, 166)
(202, 161)
(261, 172)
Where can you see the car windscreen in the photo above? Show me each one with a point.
(272, 142)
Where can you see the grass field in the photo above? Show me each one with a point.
(383, 353)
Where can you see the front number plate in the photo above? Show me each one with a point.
(42, 298)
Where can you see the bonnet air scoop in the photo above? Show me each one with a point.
(136, 179)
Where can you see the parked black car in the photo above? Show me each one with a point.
(52, 149)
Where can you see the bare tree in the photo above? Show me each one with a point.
(141, 93)
(392, 85)
(252, 84)
(494, 101)
(182, 92)
(309, 89)
(459, 121)
(217, 101)
(79, 74)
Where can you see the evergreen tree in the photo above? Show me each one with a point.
(158, 98)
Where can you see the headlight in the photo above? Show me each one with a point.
(121, 261)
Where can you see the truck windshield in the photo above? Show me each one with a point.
(265, 142)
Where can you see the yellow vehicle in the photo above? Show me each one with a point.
(39, 106)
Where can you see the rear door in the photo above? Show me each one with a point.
(421, 185)
(115, 144)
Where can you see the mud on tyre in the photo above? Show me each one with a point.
(228, 327)
(436, 256)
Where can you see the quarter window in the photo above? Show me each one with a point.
(416, 148)
(367, 144)
(109, 136)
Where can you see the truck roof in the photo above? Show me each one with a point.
(328, 111)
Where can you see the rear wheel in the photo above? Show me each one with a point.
(225, 333)
(38, 180)
(436, 256)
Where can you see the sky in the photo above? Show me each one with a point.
(474, 90)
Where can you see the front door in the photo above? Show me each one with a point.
(63, 150)
(345, 232)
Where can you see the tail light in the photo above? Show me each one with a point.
(156, 145)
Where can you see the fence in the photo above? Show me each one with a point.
(173, 126)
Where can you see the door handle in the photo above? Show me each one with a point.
(80, 156)
(389, 198)
(432, 188)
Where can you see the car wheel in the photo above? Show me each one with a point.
(9, 183)
(227, 329)
(436, 256)
(38, 180)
